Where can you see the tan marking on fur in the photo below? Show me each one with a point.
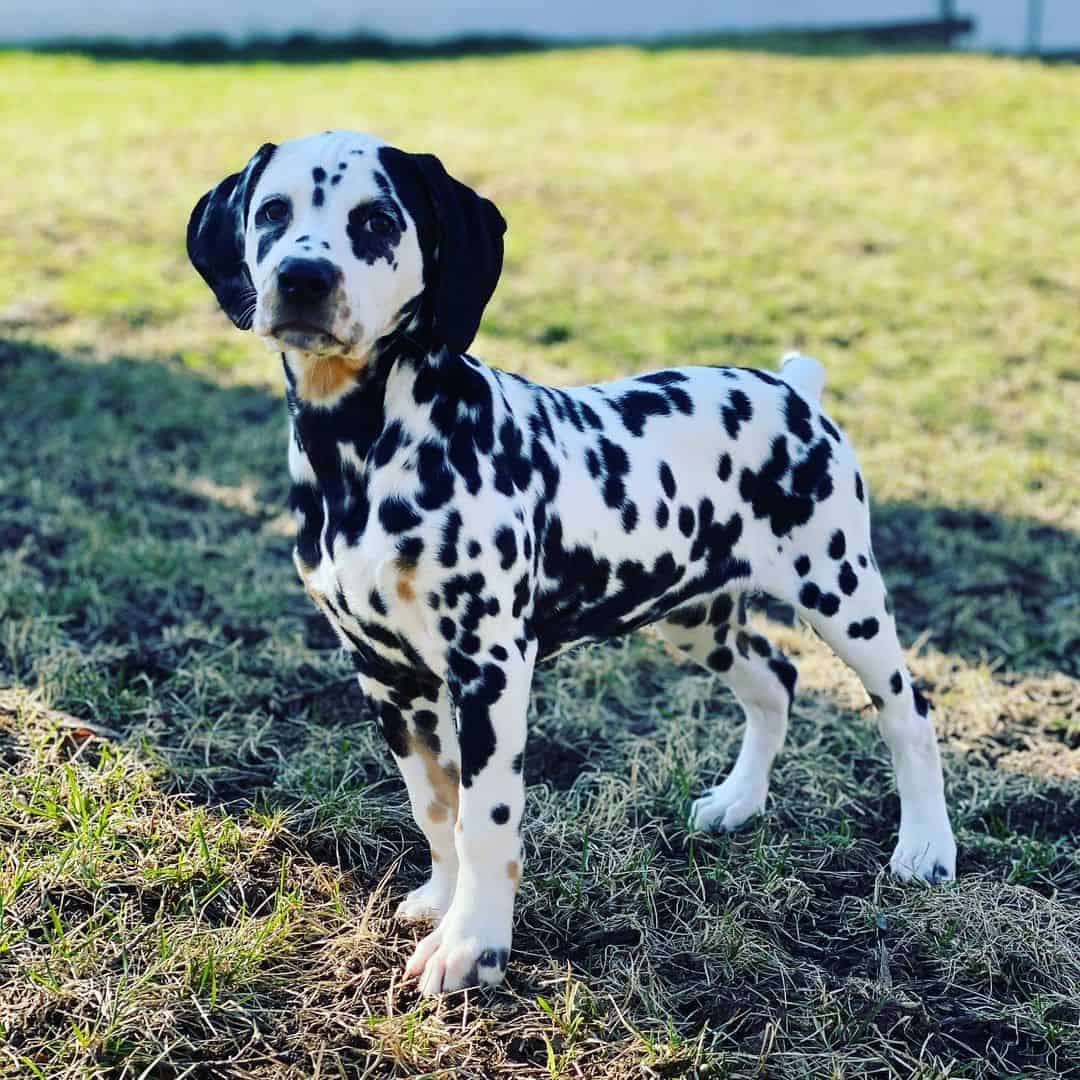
(435, 856)
(437, 811)
(458, 827)
(323, 377)
(305, 573)
(405, 590)
(513, 871)
(442, 779)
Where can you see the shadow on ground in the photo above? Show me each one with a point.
(146, 587)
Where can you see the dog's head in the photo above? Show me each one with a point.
(330, 244)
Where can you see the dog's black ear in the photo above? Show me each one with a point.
(469, 234)
(215, 238)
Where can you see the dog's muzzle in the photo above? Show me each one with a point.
(304, 315)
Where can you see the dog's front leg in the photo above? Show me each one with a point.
(490, 691)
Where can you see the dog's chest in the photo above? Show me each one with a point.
(363, 577)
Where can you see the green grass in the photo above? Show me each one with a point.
(201, 837)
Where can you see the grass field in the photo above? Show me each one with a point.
(201, 835)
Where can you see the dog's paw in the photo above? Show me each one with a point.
(428, 903)
(927, 852)
(728, 805)
(461, 951)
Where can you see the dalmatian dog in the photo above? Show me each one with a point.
(458, 524)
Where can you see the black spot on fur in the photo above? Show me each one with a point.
(475, 701)
(760, 645)
(837, 545)
(636, 406)
(736, 412)
(663, 514)
(721, 659)
(688, 617)
(368, 244)
(922, 706)
(500, 814)
(868, 628)
(723, 467)
(451, 533)
(797, 417)
(721, 610)
(858, 487)
(397, 515)
(394, 729)
(667, 480)
(848, 581)
(435, 476)
(765, 492)
(785, 671)
(409, 549)
(802, 565)
(829, 604)
(506, 545)
(896, 682)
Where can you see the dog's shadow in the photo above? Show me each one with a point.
(145, 504)
(147, 585)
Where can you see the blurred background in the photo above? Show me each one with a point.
(1030, 25)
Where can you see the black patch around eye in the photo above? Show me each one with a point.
(269, 237)
(271, 231)
(367, 245)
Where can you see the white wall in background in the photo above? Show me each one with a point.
(1002, 23)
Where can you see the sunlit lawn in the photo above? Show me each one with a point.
(201, 837)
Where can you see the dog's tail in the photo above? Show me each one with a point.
(803, 373)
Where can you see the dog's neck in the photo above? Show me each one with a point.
(347, 421)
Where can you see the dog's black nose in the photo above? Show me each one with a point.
(307, 281)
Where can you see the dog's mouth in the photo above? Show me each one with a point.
(305, 335)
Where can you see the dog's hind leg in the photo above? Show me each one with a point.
(860, 629)
(715, 634)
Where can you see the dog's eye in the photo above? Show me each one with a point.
(381, 224)
(274, 211)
